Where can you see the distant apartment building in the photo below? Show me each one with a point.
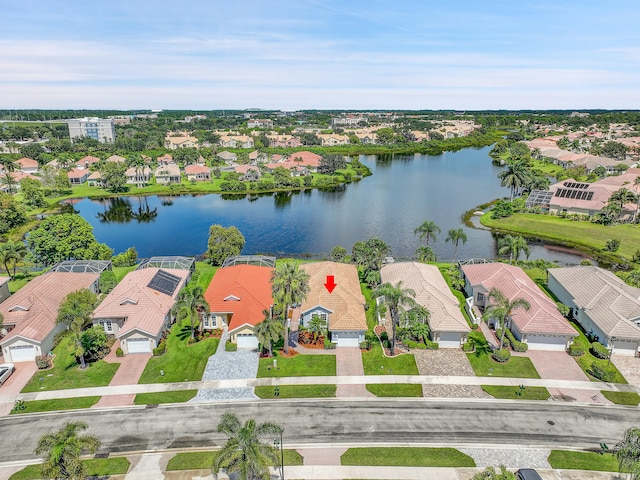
(349, 121)
(92, 127)
(260, 123)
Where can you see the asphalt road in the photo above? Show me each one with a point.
(337, 421)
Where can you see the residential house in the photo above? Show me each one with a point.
(367, 138)
(197, 173)
(30, 313)
(165, 159)
(27, 165)
(238, 296)
(542, 327)
(4, 288)
(228, 157)
(287, 141)
(138, 310)
(236, 141)
(138, 176)
(342, 308)
(86, 162)
(333, 139)
(256, 157)
(260, 123)
(167, 174)
(249, 172)
(605, 306)
(16, 176)
(297, 160)
(446, 322)
(78, 176)
(95, 179)
(116, 159)
(181, 140)
(349, 121)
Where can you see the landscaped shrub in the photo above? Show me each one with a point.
(119, 352)
(501, 356)
(516, 345)
(599, 351)
(468, 346)
(429, 345)
(230, 346)
(366, 345)
(602, 373)
(160, 349)
(576, 350)
(43, 362)
(329, 345)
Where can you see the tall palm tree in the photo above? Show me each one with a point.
(514, 176)
(289, 286)
(9, 181)
(191, 305)
(249, 451)
(455, 236)
(12, 252)
(62, 450)
(74, 312)
(513, 245)
(399, 300)
(426, 254)
(636, 185)
(501, 308)
(427, 231)
(627, 453)
(269, 331)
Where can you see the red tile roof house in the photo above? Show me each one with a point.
(237, 296)
(343, 308)
(28, 165)
(85, 162)
(30, 314)
(542, 327)
(446, 322)
(78, 176)
(197, 173)
(138, 310)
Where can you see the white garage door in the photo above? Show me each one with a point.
(546, 342)
(246, 340)
(23, 353)
(449, 340)
(346, 339)
(625, 347)
(138, 345)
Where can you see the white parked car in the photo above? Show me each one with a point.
(6, 369)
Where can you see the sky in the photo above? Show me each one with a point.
(319, 54)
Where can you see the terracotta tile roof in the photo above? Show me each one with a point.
(25, 162)
(346, 302)
(543, 315)
(143, 308)
(432, 292)
(193, 169)
(308, 159)
(88, 160)
(242, 290)
(245, 168)
(33, 308)
(77, 173)
(116, 158)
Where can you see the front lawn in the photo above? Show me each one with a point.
(514, 393)
(587, 359)
(57, 404)
(569, 460)
(395, 389)
(517, 367)
(204, 460)
(406, 457)
(297, 391)
(298, 366)
(156, 398)
(375, 363)
(621, 398)
(95, 467)
(181, 362)
(66, 373)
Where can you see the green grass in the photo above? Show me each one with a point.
(181, 362)
(568, 460)
(406, 457)
(395, 389)
(206, 273)
(517, 367)
(66, 374)
(204, 460)
(57, 404)
(298, 366)
(621, 398)
(95, 467)
(297, 391)
(375, 363)
(157, 398)
(511, 393)
(121, 272)
(370, 313)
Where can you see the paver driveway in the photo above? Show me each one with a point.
(16, 382)
(131, 367)
(349, 363)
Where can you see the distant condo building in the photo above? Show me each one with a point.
(92, 127)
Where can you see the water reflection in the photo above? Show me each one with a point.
(120, 210)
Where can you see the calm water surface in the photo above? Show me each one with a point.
(390, 204)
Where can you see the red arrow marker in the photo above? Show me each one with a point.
(331, 283)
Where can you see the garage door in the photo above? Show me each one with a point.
(625, 347)
(138, 345)
(23, 353)
(546, 342)
(346, 339)
(246, 340)
(449, 340)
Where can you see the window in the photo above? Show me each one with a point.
(107, 325)
(480, 297)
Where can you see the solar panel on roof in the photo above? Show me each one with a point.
(164, 282)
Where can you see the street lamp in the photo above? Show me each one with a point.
(613, 340)
(277, 442)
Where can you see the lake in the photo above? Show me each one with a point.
(402, 192)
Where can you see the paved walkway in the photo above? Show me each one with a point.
(349, 364)
(629, 367)
(129, 372)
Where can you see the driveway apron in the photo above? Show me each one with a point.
(349, 364)
(131, 367)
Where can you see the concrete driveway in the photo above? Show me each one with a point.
(16, 382)
(131, 367)
(349, 363)
(629, 367)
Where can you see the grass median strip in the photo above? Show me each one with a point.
(56, 404)
(296, 391)
(622, 398)
(375, 363)
(395, 389)
(204, 460)
(95, 467)
(406, 457)
(569, 460)
(516, 393)
(298, 366)
(157, 398)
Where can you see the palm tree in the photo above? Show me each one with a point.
(501, 309)
(636, 184)
(246, 452)
(514, 176)
(289, 286)
(317, 325)
(513, 245)
(269, 331)
(62, 450)
(190, 305)
(455, 236)
(74, 312)
(399, 300)
(627, 453)
(427, 231)
(426, 254)
(12, 251)
(9, 181)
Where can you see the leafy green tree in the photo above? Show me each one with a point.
(269, 331)
(330, 163)
(427, 231)
(455, 236)
(12, 252)
(64, 237)
(512, 245)
(223, 243)
(61, 183)
(289, 286)
(114, 176)
(399, 300)
(249, 450)
(338, 253)
(501, 309)
(627, 453)
(12, 213)
(32, 150)
(190, 306)
(370, 254)
(32, 192)
(94, 342)
(75, 313)
(490, 474)
(62, 450)
(128, 258)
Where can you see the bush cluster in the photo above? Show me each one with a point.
(160, 349)
(602, 373)
(468, 346)
(599, 351)
(119, 352)
(501, 356)
(576, 350)
(43, 362)
(328, 345)
(230, 347)
(516, 345)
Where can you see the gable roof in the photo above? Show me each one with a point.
(242, 290)
(25, 162)
(432, 292)
(346, 302)
(609, 302)
(543, 315)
